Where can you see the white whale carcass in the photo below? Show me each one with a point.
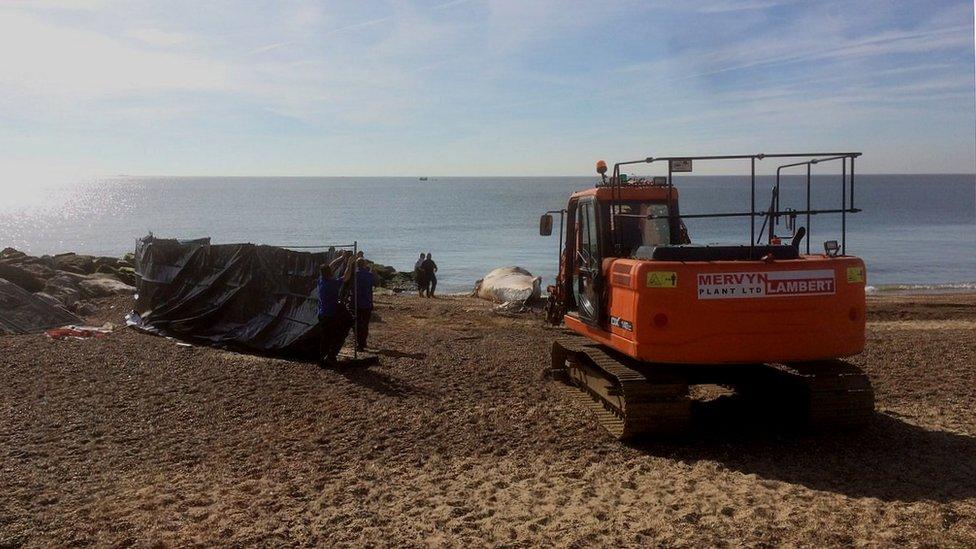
(509, 284)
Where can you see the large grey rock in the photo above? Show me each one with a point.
(38, 268)
(49, 299)
(71, 288)
(21, 277)
(64, 287)
(74, 263)
(11, 254)
(105, 264)
(47, 261)
(383, 272)
(104, 287)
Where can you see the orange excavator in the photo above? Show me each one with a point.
(648, 314)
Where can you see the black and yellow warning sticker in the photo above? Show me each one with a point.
(662, 279)
(855, 275)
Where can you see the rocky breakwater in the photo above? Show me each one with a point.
(392, 279)
(69, 280)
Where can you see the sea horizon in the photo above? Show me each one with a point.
(483, 222)
(544, 176)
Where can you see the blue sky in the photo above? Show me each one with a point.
(476, 87)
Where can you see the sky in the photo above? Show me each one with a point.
(477, 87)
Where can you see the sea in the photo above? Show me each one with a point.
(915, 233)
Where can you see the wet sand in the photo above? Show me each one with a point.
(455, 439)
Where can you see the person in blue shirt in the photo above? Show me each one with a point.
(365, 280)
(334, 319)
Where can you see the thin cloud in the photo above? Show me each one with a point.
(269, 47)
(741, 5)
(351, 27)
(156, 37)
(332, 32)
(886, 43)
(453, 3)
(362, 25)
(66, 5)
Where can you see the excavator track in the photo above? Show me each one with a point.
(627, 401)
(837, 394)
(631, 399)
(822, 395)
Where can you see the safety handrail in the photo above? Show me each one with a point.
(813, 158)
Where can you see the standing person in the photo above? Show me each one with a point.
(430, 269)
(420, 275)
(365, 280)
(334, 319)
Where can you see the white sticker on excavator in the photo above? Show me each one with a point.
(769, 284)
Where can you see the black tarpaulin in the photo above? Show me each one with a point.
(259, 298)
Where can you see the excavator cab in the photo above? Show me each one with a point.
(642, 222)
(643, 305)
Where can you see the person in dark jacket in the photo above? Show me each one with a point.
(365, 280)
(429, 268)
(420, 275)
(334, 319)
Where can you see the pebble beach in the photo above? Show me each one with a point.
(454, 438)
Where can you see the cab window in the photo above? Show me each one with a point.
(636, 230)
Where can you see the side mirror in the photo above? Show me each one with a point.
(545, 225)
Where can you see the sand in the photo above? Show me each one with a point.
(455, 440)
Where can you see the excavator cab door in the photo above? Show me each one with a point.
(586, 268)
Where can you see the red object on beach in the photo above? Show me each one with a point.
(78, 332)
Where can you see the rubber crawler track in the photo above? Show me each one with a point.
(630, 399)
(837, 394)
(626, 402)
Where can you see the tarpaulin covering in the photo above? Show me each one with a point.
(259, 298)
(24, 313)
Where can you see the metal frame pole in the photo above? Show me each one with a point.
(843, 207)
(614, 182)
(752, 216)
(774, 213)
(355, 300)
(671, 218)
(559, 245)
(808, 209)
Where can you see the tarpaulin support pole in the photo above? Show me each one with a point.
(355, 300)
